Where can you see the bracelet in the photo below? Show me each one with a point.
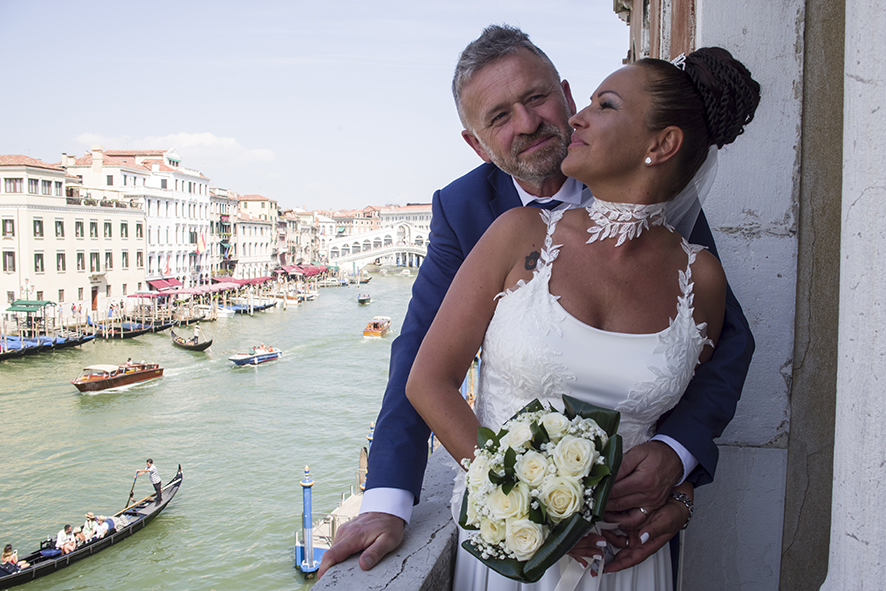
(684, 498)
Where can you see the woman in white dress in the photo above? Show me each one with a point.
(607, 304)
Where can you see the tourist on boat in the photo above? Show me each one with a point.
(90, 526)
(79, 538)
(10, 562)
(155, 477)
(65, 540)
(106, 525)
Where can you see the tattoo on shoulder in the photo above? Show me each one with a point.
(532, 260)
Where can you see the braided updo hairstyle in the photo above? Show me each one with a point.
(711, 101)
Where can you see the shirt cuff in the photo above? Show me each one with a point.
(689, 461)
(393, 501)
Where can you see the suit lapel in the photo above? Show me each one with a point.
(504, 195)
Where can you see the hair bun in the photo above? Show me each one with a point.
(729, 93)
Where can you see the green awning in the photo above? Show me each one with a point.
(29, 305)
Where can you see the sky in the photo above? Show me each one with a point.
(321, 105)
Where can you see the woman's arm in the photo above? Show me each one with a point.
(460, 325)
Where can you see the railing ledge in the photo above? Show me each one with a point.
(426, 558)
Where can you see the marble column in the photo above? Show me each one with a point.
(858, 522)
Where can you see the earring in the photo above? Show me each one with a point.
(648, 160)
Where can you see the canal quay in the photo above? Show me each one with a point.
(242, 435)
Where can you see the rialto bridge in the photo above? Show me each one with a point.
(401, 244)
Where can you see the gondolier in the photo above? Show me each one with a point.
(151, 469)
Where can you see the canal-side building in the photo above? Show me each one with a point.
(417, 214)
(59, 245)
(223, 211)
(175, 201)
(254, 240)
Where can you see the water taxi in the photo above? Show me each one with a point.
(256, 355)
(102, 377)
(378, 327)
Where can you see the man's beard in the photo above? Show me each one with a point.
(542, 164)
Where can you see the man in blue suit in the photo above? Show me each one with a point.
(515, 108)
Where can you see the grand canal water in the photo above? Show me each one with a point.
(242, 436)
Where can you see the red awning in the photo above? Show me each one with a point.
(159, 284)
(173, 282)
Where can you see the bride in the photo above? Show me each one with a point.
(608, 304)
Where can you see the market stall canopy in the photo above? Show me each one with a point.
(164, 284)
(29, 305)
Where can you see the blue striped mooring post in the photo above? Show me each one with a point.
(309, 564)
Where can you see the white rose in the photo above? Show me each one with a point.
(574, 456)
(519, 435)
(531, 468)
(472, 517)
(478, 472)
(492, 531)
(523, 538)
(555, 424)
(562, 496)
(508, 506)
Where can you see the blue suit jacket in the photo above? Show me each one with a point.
(462, 211)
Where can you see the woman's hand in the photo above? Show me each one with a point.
(588, 549)
(636, 545)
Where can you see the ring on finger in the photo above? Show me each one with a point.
(643, 511)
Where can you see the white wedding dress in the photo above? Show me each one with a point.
(534, 348)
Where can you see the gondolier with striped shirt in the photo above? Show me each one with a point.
(151, 469)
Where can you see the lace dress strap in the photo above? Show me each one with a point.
(550, 250)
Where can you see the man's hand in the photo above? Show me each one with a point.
(659, 528)
(647, 475)
(375, 534)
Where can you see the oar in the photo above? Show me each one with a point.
(132, 490)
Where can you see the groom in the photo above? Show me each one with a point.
(515, 108)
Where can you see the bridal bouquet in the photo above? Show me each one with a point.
(538, 485)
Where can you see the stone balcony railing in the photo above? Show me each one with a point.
(426, 558)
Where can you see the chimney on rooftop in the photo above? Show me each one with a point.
(97, 158)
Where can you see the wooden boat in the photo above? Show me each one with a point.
(256, 355)
(363, 299)
(119, 332)
(377, 327)
(130, 520)
(102, 377)
(192, 344)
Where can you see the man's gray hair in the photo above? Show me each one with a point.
(496, 42)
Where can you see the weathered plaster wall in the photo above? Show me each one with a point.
(753, 210)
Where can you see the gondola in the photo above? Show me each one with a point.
(133, 518)
(116, 333)
(189, 344)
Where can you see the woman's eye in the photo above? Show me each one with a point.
(606, 105)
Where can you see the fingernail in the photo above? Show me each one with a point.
(368, 563)
(644, 537)
(601, 544)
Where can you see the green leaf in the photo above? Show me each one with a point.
(598, 472)
(485, 434)
(507, 487)
(606, 418)
(612, 454)
(561, 539)
(539, 515)
(533, 406)
(539, 435)
(510, 461)
(508, 567)
(498, 479)
(463, 515)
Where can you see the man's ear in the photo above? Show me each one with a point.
(474, 143)
(570, 102)
(666, 145)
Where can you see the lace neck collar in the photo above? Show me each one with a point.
(625, 220)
